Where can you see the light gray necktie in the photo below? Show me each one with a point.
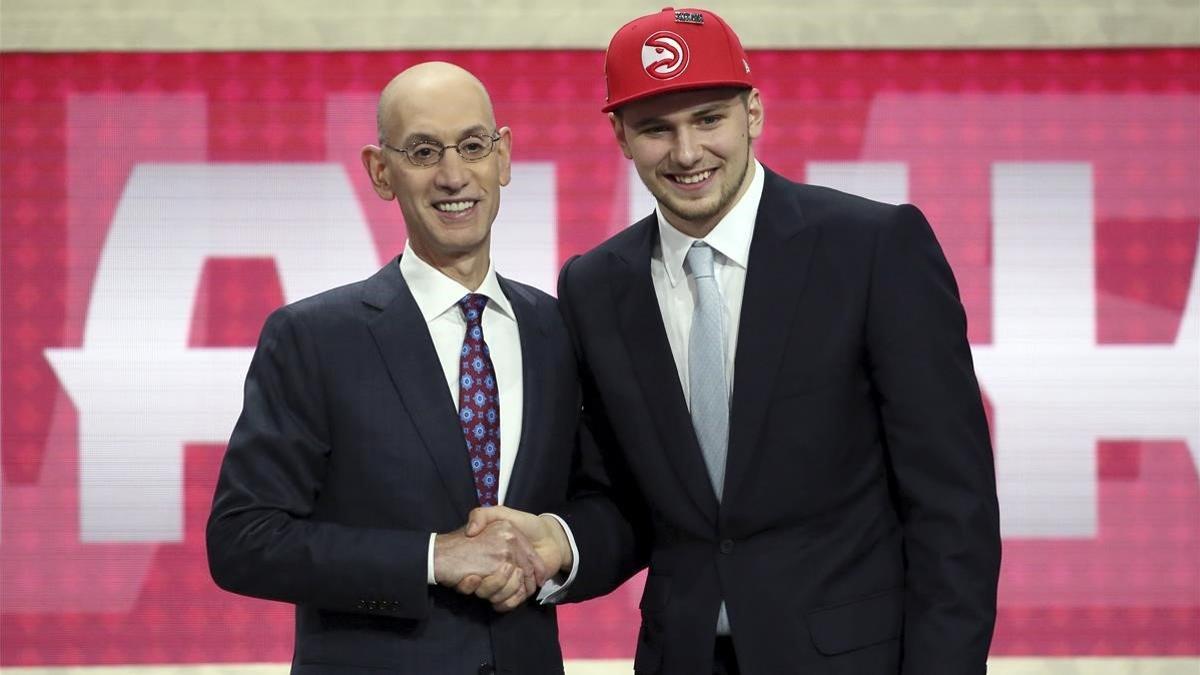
(707, 387)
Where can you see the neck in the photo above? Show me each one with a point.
(467, 268)
(692, 228)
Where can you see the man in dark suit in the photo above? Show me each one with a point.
(778, 380)
(378, 414)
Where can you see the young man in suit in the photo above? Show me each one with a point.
(778, 382)
(378, 414)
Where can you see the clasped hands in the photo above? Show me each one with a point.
(501, 555)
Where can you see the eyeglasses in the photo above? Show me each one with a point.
(428, 153)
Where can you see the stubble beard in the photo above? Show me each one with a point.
(700, 212)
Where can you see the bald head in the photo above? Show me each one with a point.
(442, 158)
(430, 82)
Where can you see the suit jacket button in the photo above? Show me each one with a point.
(727, 546)
(486, 669)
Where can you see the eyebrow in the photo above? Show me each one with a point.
(709, 109)
(422, 137)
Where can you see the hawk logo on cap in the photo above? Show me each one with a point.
(664, 55)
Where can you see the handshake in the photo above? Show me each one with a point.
(501, 555)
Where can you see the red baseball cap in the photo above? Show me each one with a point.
(673, 50)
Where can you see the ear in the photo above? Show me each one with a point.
(754, 113)
(377, 169)
(619, 131)
(504, 154)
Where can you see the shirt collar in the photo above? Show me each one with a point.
(730, 237)
(437, 293)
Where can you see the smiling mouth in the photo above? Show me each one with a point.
(455, 207)
(691, 178)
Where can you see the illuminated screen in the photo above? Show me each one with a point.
(156, 207)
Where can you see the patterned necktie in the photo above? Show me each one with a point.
(479, 402)
(707, 387)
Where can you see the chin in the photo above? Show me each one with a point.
(694, 210)
(469, 243)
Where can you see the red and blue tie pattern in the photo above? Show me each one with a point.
(479, 402)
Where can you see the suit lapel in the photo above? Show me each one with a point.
(779, 257)
(654, 366)
(522, 479)
(403, 340)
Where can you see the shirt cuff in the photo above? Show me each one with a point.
(429, 577)
(555, 588)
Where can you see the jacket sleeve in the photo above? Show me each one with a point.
(938, 450)
(606, 512)
(262, 537)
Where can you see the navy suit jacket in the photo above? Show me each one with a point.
(348, 453)
(859, 529)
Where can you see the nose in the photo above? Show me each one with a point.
(687, 149)
(452, 174)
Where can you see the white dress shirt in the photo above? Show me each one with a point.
(437, 297)
(676, 290)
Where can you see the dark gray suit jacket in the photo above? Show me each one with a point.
(859, 529)
(348, 453)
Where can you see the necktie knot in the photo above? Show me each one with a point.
(700, 260)
(472, 305)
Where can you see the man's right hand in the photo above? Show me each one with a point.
(544, 532)
(497, 551)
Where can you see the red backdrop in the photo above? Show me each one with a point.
(1117, 573)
